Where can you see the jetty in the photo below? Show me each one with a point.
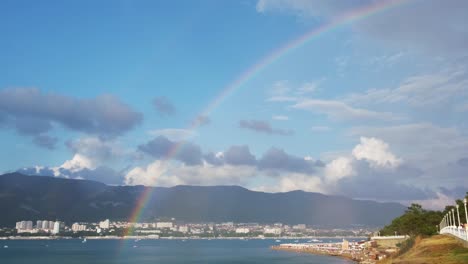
(345, 249)
(362, 251)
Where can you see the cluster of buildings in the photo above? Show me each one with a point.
(173, 228)
(53, 227)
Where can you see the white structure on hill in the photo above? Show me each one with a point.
(104, 224)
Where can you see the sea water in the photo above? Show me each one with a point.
(216, 251)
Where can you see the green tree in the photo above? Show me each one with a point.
(415, 221)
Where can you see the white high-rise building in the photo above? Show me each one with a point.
(38, 224)
(299, 227)
(273, 231)
(242, 230)
(51, 225)
(164, 225)
(56, 228)
(45, 224)
(29, 225)
(184, 229)
(78, 227)
(104, 224)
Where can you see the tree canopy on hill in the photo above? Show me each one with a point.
(415, 221)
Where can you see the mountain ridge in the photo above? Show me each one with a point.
(26, 197)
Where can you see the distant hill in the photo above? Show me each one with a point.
(39, 197)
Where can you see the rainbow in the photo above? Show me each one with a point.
(346, 18)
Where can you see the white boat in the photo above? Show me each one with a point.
(277, 240)
(5, 246)
(296, 241)
(84, 240)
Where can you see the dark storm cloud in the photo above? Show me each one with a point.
(212, 159)
(263, 127)
(239, 155)
(32, 126)
(383, 183)
(45, 141)
(457, 192)
(463, 162)
(32, 112)
(161, 147)
(164, 106)
(277, 159)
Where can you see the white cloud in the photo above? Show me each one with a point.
(148, 176)
(89, 154)
(292, 182)
(420, 90)
(284, 91)
(337, 169)
(309, 87)
(376, 152)
(386, 60)
(340, 111)
(96, 149)
(369, 163)
(159, 173)
(77, 163)
(424, 144)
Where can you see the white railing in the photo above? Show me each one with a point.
(389, 237)
(455, 231)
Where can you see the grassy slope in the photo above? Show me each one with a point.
(432, 250)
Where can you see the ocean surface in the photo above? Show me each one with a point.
(154, 251)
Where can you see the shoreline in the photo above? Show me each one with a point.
(162, 238)
(315, 252)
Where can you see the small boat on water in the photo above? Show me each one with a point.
(84, 240)
(5, 246)
(277, 240)
(296, 241)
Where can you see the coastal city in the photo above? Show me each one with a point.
(171, 228)
(361, 244)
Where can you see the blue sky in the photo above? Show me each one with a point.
(381, 101)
